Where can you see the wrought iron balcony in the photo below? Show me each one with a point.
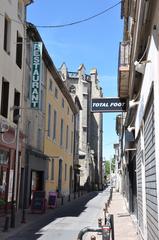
(123, 69)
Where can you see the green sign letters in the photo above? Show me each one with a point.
(36, 70)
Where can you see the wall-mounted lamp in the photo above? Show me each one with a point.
(130, 129)
(140, 66)
(132, 103)
(4, 127)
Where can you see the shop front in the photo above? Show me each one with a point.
(9, 169)
(35, 174)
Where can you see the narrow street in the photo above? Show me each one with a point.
(79, 97)
(66, 222)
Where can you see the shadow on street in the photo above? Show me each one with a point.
(72, 209)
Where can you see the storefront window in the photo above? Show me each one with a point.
(3, 173)
(3, 157)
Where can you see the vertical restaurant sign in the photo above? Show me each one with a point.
(36, 72)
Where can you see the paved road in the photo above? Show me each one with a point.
(66, 222)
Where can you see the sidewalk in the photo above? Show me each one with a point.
(124, 226)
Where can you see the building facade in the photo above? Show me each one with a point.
(49, 125)
(12, 22)
(140, 171)
(35, 161)
(90, 148)
(59, 145)
(96, 129)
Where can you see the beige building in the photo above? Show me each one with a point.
(90, 124)
(139, 142)
(12, 19)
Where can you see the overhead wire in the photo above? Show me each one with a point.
(71, 23)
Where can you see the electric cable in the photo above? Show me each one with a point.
(71, 23)
(79, 21)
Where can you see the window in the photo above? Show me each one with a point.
(3, 160)
(67, 131)
(84, 129)
(71, 142)
(4, 98)
(72, 89)
(28, 52)
(28, 132)
(50, 85)
(19, 50)
(7, 34)
(63, 103)
(54, 124)
(49, 119)
(28, 83)
(39, 138)
(43, 72)
(61, 132)
(17, 104)
(41, 99)
(65, 171)
(52, 169)
(56, 93)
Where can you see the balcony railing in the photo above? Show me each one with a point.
(124, 54)
(123, 69)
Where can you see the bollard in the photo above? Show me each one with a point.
(106, 207)
(99, 222)
(69, 198)
(78, 194)
(6, 225)
(93, 237)
(13, 217)
(111, 193)
(23, 217)
(109, 201)
(74, 195)
(105, 218)
(62, 200)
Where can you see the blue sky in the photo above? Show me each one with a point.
(94, 43)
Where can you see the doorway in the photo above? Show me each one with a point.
(60, 176)
(37, 181)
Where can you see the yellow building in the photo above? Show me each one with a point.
(59, 137)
